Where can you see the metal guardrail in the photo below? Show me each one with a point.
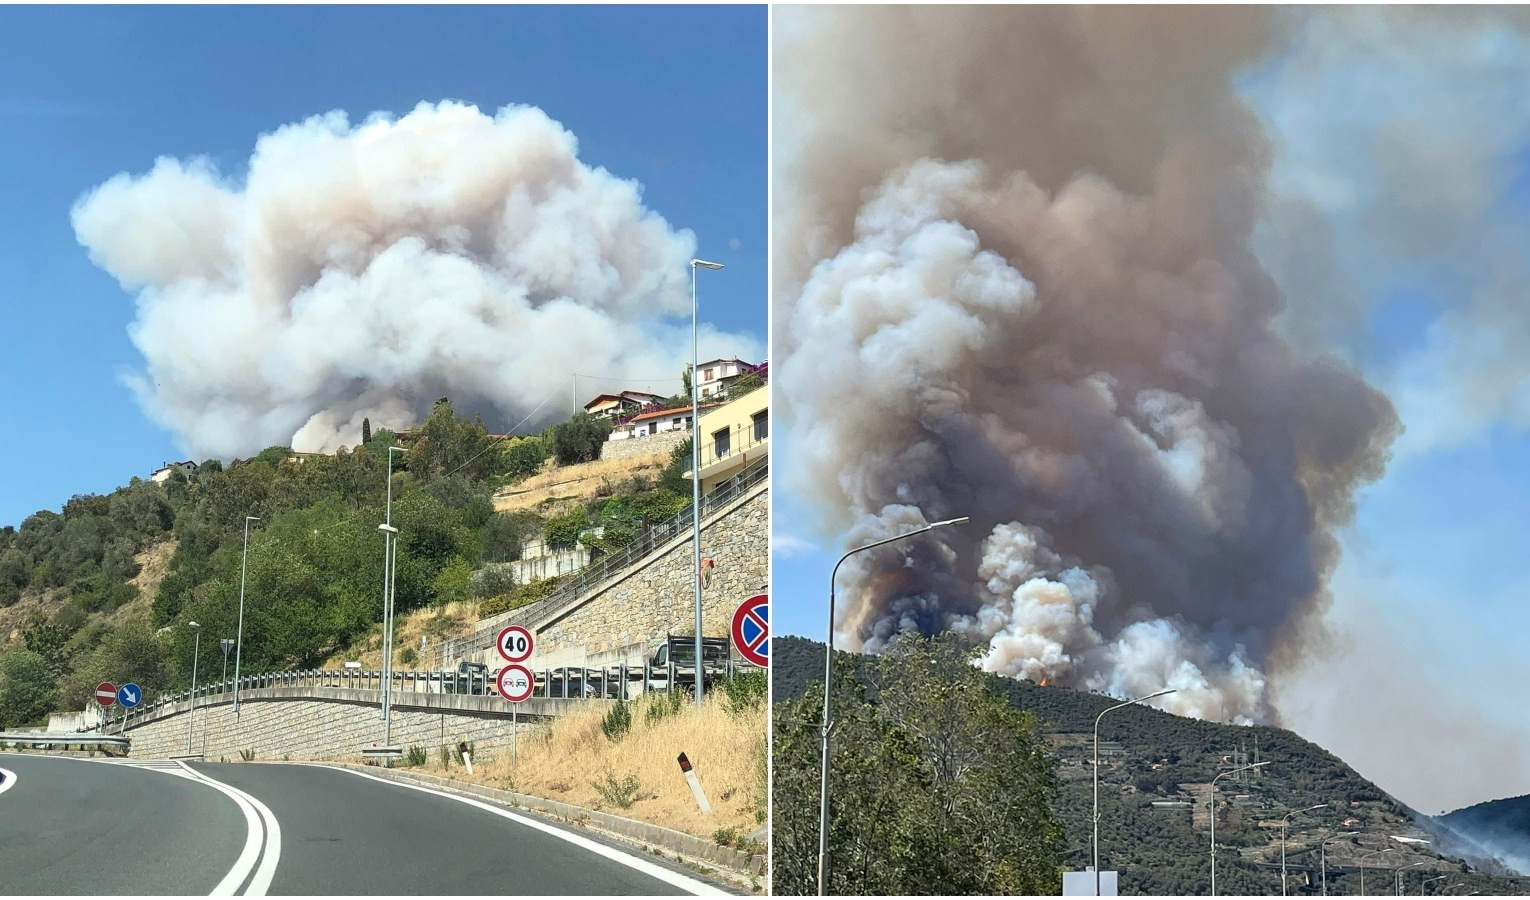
(65, 741)
(569, 683)
(450, 650)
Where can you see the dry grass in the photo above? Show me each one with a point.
(436, 623)
(153, 566)
(563, 761)
(579, 482)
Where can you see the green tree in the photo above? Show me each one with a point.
(522, 457)
(446, 444)
(579, 439)
(673, 479)
(366, 431)
(935, 780)
(562, 532)
(453, 582)
(27, 688)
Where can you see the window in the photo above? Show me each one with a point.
(762, 425)
(721, 443)
(706, 374)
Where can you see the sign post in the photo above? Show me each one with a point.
(106, 695)
(129, 696)
(751, 629)
(515, 684)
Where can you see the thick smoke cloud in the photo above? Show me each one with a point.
(366, 270)
(1016, 283)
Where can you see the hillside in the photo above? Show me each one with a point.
(1151, 756)
(1497, 827)
(105, 589)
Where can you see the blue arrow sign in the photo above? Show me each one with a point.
(129, 695)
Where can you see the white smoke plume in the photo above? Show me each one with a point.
(366, 270)
(1015, 282)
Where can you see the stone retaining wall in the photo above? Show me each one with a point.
(334, 724)
(628, 448)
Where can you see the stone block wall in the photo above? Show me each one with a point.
(334, 724)
(628, 448)
(620, 622)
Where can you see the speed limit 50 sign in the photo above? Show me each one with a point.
(515, 644)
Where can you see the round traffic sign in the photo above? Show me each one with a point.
(515, 643)
(129, 695)
(751, 629)
(106, 693)
(514, 683)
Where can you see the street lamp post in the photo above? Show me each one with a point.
(390, 561)
(696, 462)
(1363, 858)
(1399, 874)
(390, 556)
(828, 687)
(1283, 823)
(1096, 841)
(239, 637)
(1323, 855)
(1213, 803)
(191, 714)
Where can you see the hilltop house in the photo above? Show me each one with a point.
(163, 473)
(655, 421)
(717, 374)
(612, 406)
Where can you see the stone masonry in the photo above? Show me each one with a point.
(628, 448)
(621, 622)
(319, 723)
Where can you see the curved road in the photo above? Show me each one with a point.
(88, 826)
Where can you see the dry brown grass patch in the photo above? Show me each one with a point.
(579, 482)
(567, 759)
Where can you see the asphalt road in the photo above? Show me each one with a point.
(77, 826)
(72, 826)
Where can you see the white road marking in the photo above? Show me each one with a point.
(270, 856)
(675, 879)
(9, 780)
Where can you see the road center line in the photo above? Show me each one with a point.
(675, 879)
(270, 835)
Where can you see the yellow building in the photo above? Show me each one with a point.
(734, 436)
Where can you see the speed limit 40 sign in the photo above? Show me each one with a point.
(515, 644)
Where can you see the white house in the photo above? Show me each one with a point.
(656, 422)
(717, 374)
(162, 474)
(613, 405)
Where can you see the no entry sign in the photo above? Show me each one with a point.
(514, 683)
(515, 643)
(751, 629)
(106, 693)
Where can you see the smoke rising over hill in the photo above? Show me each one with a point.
(1016, 283)
(365, 270)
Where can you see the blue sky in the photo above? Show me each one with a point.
(675, 98)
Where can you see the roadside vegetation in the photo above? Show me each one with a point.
(103, 589)
(632, 770)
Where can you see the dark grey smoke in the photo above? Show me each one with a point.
(1015, 282)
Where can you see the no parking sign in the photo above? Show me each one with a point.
(751, 629)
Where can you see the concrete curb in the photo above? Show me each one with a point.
(737, 861)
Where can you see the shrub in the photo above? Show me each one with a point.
(579, 439)
(725, 837)
(247, 755)
(415, 757)
(617, 721)
(661, 706)
(621, 794)
(408, 656)
(746, 690)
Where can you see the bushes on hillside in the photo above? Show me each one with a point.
(579, 439)
(27, 688)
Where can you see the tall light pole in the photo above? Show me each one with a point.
(390, 565)
(1283, 822)
(1213, 803)
(191, 715)
(1399, 874)
(696, 461)
(1425, 883)
(1363, 858)
(1097, 778)
(390, 543)
(828, 687)
(1323, 855)
(239, 637)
